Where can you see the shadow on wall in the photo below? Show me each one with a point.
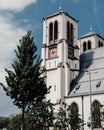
(85, 62)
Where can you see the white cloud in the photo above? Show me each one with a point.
(10, 34)
(9, 37)
(16, 5)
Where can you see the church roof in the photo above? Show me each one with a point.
(60, 12)
(91, 74)
(90, 33)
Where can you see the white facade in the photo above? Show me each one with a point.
(66, 60)
(58, 54)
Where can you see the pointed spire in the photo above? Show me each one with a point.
(60, 8)
(91, 28)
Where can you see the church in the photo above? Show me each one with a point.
(74, 67)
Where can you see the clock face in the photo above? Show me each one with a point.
(53, 52)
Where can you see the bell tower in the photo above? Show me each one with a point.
(60, 54)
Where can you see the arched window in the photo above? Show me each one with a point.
(68, 31)
(72, 34)
(96, 122)
(55, 30)
(89, 45)
(50, 31)
(74, 122)
(84, 47)
(74, 107)
(99, 44)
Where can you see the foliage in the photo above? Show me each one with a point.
(27, 89)
(41, 116)
(76, 122)
(4, 122)
(67, 117)
(96, 115)
(101, 117)
(25, 84)
(62, 120)
(15, 122)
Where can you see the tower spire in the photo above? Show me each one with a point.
(60, 8)
(91, 28)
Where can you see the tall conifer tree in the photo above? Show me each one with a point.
(25, 84)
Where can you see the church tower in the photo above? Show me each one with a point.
(60, 54)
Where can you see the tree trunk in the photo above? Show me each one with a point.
(23, 119)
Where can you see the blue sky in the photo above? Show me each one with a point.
(18, 16)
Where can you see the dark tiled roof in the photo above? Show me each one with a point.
(58, 13)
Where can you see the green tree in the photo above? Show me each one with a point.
(15, 122)
(67, 117)
(75, 122)
(61, 119)
(97, 116)
(25, 84)
(4, 122)
(41, 116)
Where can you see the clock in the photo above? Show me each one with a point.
(52, 52)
